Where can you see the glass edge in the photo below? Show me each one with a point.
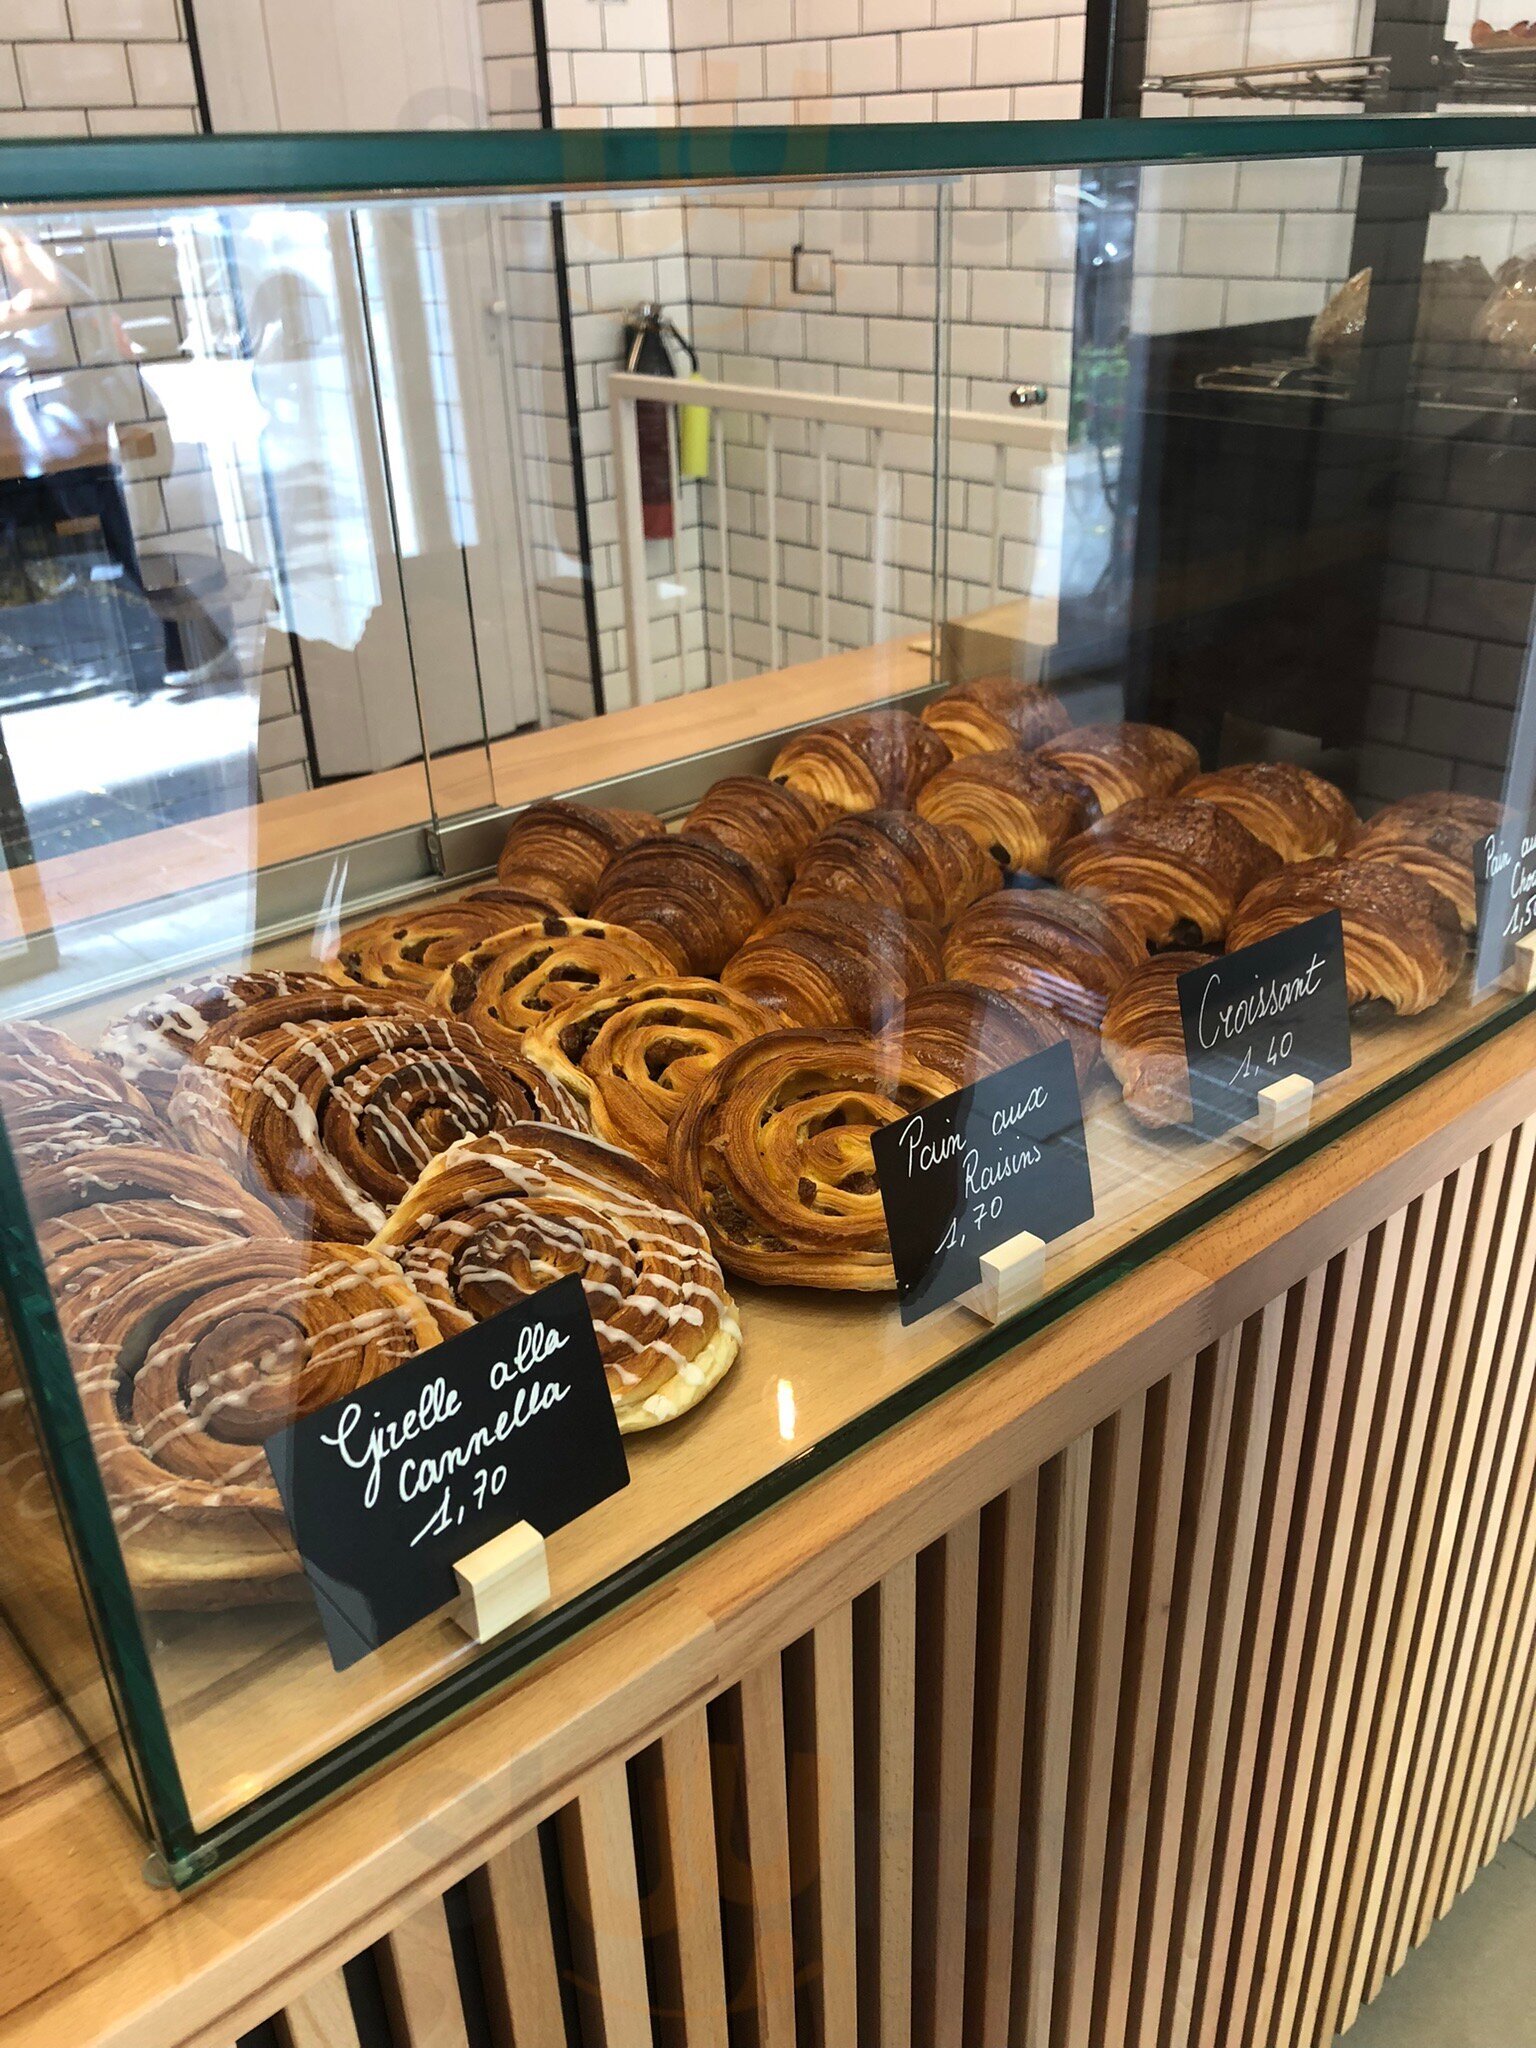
(195, 1855)
(389, 164)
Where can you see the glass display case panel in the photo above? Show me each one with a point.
(778, 674)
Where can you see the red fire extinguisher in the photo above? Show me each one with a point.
(645, 352)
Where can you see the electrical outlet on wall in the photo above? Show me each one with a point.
(811, 271)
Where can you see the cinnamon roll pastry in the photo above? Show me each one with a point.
(40, 1066)
(695, 899)
(51, 1131)
(409, 949)
(869, 761)
(1176, 870)
(899, 860)
(834, 962)
(154, 1041)
(188, 1364)
(632, 1056)
(559, 849)
(1063, 954)
(496, 1219)
(1296, 813)
(767, 823)
(1143, 1040)
(996, 715)
(336, 1121)
(961, 1030)
(144, 1193)
(774, 1153)
(1435, 838)
(507, 984)
(1119, 762)
(1402, 942)
(1018, 810)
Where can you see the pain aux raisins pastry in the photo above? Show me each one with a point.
(188, 1363)
(899, 861)
(1063, 954)
(507, 984)
(1436, 839)
(336, 1121)
(1174, 869)
(1015, 807)
(559, 849)
(632, 1056)
(995, 715)
(773, 1152)
(1120, 762)
(1402, 942)
(155, 1040)
(695, 900)
(766, 822)
(833, 962)
(496, 1219)
(407, 950)
(1296, 813)
(869, 761)
(962, 1030)
(1144, 1041)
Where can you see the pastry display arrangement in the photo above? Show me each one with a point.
(654, 1059)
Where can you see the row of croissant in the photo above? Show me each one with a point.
(646, 1056)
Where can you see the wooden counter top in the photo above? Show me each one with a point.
(92, 1957)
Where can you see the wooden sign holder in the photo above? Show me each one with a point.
(502, 1581)
(1520, 975)
(1284, 1112)
(1012, 1278)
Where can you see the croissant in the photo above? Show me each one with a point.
(767, 822)
(142, 1192)
(1018, 810)
(773, 1152)
(1296, 813)
(870, 760)
(1435, 838)
(696, 900)
(1143, 1040)
(1176, 870)
(409, 949)
(904, 862)
(155, 1040)
(559, 849)
(1402, 943)
(1063, 954)
(961, 1030)
(188, 1364)
(1119, 762)
(834, 962)
(995, 715)
(633, 1055)
(496, 1219)
(337, 1120)
(506, 985)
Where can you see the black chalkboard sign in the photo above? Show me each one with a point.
(387, 1488)
(1271, 1009)
(1504, 870)
(963, 1176)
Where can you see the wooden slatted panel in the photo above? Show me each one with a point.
(1002, 1680)
(674, 1792)
(602, 1898)
(1061, 1538)
(510, 1903)
(321, 2017)
(758, 1727)
(421, 1982)
(947, 1577)
(885, 1701)
(819, 1696)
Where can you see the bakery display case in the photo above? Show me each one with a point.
(831, 856)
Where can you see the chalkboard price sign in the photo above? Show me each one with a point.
(1505, 873)
(1268, 1010)
(388, 1487)
(971, 1171)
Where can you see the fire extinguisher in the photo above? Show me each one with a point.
(645, 352)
